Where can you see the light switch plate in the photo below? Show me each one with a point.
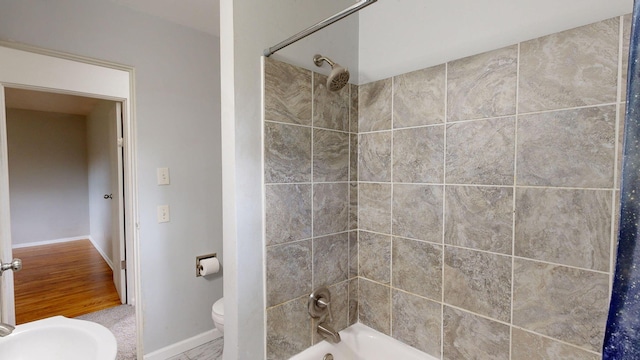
(163, 176)
(163, 213)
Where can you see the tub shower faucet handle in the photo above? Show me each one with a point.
(320, 303)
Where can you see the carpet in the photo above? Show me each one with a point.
(121, 321)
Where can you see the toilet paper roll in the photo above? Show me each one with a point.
(209, 266)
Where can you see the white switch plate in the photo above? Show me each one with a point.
(163, 176)
(163, 213)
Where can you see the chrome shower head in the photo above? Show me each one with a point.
(339, 76)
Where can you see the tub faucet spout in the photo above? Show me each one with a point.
(328, 333)
(5, 329)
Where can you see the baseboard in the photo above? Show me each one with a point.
(49, 242)
(184, 345)
(104, 256)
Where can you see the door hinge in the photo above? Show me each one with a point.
(120, 142)
(123, 264)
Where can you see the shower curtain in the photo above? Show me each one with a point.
(622, 337)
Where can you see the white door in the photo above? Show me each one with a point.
(29, 70)
(117, 201)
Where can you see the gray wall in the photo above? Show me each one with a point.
(487, 201)
(47, 176)
(178, 126)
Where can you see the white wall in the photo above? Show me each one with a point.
(101, 143)
(177, 111)
(47, 176)
(398, 36)
(247, 27)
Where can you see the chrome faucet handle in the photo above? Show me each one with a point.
(327, 304)
(320, 302)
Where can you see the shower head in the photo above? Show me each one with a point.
(339, 76)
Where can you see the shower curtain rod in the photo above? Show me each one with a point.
(322, 24)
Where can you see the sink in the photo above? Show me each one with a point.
(59, 338)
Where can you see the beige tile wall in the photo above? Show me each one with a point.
(486, 198)
(466, 209)
(311, 199)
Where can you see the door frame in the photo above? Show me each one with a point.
(28, 67)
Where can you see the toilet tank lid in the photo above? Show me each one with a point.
(218, 307)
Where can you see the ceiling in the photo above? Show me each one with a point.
(202, 15)
(49, 102)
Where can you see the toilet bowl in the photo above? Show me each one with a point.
(217, 314)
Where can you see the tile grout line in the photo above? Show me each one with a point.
(391, 213)
(444, 196)
(513, 214)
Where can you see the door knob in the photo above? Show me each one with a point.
(108, 196)
(15, 265)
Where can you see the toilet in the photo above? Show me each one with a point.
(217, 314)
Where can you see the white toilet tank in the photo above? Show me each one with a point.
(217, 314)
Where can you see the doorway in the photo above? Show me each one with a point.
(30, 68)
(65, 182)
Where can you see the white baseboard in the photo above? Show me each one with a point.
(48, 242)
(63, 240)
(184, 345)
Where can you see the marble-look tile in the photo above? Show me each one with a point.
(353, 301)
(374, 306)
(330, 156)
(353, 254)
(374, 157)
(572, 148)
(572, 68)
(287, 213)
(481, 152)
(353, 206)
(209, 351)
(471, 337)
(374, 207)
(417, 322)
(288, 329)
(330, 108)
(478, 282)
(626, 38)
(417, 267)
(287, 95)
(353, 157)
(330, 208)
(418, 155)
(288, 271)
(418, 97)
(479, 217)
(374, 251)
(374, 106)
(483, 85)
(287, 153)
(339, 309)
(353, 109)
(564, 303)
(570, 227)
(417, 211)
(529, 346)
(330, 259)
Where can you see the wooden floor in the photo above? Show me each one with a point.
(69, 279)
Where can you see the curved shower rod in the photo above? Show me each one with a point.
(320, 25)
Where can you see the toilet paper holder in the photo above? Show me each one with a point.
(203, 257)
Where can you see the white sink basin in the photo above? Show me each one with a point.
(59, 338)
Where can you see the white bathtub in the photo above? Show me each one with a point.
(363, 343)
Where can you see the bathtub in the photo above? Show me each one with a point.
(363, 343)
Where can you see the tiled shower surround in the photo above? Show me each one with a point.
(467, 209)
